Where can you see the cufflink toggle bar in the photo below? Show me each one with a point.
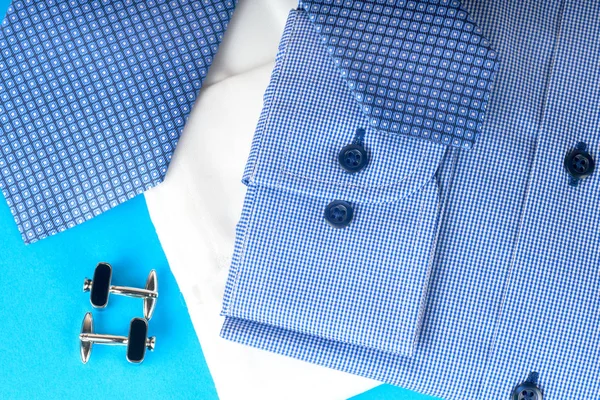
(136, 342)
(100, 287)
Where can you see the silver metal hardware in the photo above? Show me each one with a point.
(87, 338)
(100, 300)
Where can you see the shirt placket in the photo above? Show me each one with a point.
(549, 326)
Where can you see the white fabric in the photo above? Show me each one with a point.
(195, 211)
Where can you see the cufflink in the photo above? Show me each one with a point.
(136, 342)
(100, 288)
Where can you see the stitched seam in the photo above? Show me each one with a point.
(348, 185)
(418, 238)
(242, 256)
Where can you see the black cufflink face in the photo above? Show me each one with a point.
(137, 341)
(100, 288)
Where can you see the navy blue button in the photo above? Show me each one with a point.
(353, 158)
(579, 163)
(339, 213)
(527, 391)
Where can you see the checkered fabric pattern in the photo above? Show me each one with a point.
(322, 289)
(419, 68)
(94, 96)
(497, 279)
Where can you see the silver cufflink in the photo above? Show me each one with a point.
(137, 341)
(100, 288)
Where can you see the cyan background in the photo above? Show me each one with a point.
(42, 306)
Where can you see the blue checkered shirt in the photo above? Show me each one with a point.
(464, 259)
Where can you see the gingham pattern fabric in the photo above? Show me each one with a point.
(320, 276)
(418, 68)
(513, 283)
(94, 95)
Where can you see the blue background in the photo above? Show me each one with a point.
(42, 306)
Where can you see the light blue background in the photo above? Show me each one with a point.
(42, 306)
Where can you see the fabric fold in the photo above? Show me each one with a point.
(397, 70)
(364, 285)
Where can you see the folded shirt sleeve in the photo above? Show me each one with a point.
(366, 284)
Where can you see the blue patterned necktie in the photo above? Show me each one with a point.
(94, 95)
(418, 68)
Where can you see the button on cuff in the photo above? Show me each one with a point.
(353, 158)
(339, 213)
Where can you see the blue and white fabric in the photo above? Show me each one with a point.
(323, 289)
(419, 68)
(94, 96)
(462, 272)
